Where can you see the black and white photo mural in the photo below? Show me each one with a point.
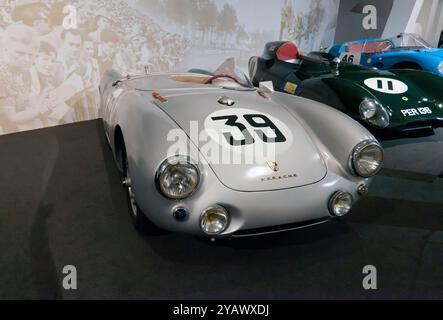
(54, 52)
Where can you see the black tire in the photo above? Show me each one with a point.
(141, 223)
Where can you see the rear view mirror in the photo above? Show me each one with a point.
(266, 86)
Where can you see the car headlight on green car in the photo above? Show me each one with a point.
(177, 178)
(440, 67)
(367, 158)
(374, 113)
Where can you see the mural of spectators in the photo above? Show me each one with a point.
(74, 72)
(91, 79)
(102, 23)
(33, 14)
(19, 109)
(50, 75)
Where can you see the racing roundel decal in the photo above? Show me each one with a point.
(243, 130)
(386, 85)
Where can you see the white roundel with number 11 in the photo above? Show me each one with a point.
(386, 85)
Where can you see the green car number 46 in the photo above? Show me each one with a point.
(389, 103)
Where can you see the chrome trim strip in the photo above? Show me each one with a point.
(278, 231)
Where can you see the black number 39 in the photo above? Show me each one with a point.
(231, 120)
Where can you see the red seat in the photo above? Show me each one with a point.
(288, 52)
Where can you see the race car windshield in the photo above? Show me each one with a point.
(369, 47)
(401, 42)
(409, 40)
(227, 76)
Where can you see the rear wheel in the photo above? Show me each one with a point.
(139, 220)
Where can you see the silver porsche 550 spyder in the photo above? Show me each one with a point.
(210, 155)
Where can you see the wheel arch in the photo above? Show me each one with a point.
(407, 64)
(119, 146)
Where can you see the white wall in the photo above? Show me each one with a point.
(426, 19)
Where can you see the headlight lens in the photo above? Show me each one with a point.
(367, 158)
(440, 67)
(368, 109)
(374, 113)
(340, 204)
(177, 177)
(214, 220)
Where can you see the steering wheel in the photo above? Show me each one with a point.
(211, 79)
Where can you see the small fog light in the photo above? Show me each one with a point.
(340, 204)
(214, 220)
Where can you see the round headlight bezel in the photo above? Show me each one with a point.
(167, 165)
(333, 205)
(440, 67)
(219, 210)
(356, 153)
(379, 118)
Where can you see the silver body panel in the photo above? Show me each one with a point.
(322, 140)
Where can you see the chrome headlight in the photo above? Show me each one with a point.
(177, 178)
(367, 158)
(374, 113)
(340, 203)
(214, 220)
(440, 67)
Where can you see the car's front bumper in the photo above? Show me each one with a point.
(254, 213)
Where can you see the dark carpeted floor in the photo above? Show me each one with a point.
(62, 204)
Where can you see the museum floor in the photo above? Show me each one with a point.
(62, 204)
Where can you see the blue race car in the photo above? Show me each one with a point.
(406, 51)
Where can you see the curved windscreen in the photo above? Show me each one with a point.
(369, 46)
(410, 40)
(404, 41)
(227, 76)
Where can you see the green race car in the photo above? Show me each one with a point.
(389, 103)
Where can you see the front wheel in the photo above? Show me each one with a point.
(141, 223)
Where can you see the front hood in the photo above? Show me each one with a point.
(237, 159)
(410, 95)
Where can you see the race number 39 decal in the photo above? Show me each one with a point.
(255, 121)
(386, 85)
(234, 128)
